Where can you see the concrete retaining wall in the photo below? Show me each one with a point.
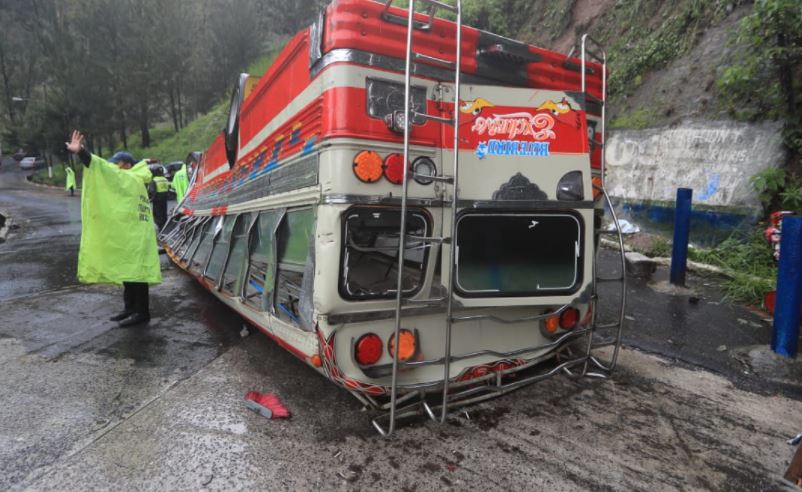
(714, 158)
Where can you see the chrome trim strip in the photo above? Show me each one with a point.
(536, 205)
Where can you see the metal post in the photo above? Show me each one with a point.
(789, 288)
(682, 226)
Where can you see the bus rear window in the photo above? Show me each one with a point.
(369, 267)
(518, 254)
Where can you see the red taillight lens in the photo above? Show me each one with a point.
(368, 166)
(394, 168)
(368, 349)
(569, 318)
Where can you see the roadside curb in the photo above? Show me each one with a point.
(52, 187)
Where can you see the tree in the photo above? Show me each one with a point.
(766, 81)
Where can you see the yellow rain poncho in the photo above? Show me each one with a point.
(180, 183)
(70, 182)
(118, 241)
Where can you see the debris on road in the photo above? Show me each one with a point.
(721, 348)
(245, 331)
(266, 404)
(795, 440)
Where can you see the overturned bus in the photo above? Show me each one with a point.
(412, 207)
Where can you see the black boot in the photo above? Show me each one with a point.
(122, 315)
(135, 319)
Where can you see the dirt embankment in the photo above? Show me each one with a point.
(665, 57)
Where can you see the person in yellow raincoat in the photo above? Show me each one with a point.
(70, 181)
(118, 243)
(180, 183)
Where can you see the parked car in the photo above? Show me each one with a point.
(32, 162)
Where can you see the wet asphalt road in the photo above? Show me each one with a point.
(87, 405)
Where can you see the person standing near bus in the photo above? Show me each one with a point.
(180, 183)
(70, 180)
(118, 243)
(157, 191)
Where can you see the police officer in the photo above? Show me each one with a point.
(180, 183)
(157, 191)
(118, 243)
(70, 181)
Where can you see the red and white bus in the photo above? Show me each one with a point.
(492, 152)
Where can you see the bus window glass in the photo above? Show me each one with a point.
(517, 254)
(261, 266)
(201, 255)
(369, 267)
(197, 234)
(220, 248)
(293, 238)
(232, 277)
(183, 239)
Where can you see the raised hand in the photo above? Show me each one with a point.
(74, 145)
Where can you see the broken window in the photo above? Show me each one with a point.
(293, 239)
(194, 240)
(517, 254)
(201, 255)
(220, 249)
(259, 278)
(233, 274)
(181, 240)
(369, 268)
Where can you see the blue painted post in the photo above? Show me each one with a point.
(682, 227)
(789, 288)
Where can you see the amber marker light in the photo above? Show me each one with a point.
(394, 168)
(316, 361)
(368, 166)
(551, 324)
(407, 346)
(597, 183)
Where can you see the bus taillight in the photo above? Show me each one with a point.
(569, 318)
(368, 166)
(368, 349)
(407, 347)
(394, 168)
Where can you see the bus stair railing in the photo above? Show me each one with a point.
(605, 333)
(432, 6)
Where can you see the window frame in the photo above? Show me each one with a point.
(391, 294)
(579, 261)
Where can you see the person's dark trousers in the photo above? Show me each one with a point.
(136, 297)
(72, 191)
(160, 210)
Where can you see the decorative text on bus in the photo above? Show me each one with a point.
(535, 128)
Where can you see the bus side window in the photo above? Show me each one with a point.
(220, 249)
(294, 237)
(232, 276)
(181, 241)
(201, 255)
(194, 241)
(257, 290)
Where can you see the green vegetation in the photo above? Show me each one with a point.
(59, 176)
(196, 136)
(747, 263)
(778, 189)
(765, 82)
(636, 119)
